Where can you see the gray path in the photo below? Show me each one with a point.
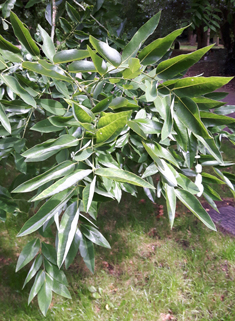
(225, 220)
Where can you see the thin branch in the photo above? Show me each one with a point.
(54, 11)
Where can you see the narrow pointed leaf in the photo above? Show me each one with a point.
(23, 35)
(55, 272)
(172, 67)
(63, 184)
(38, 68)
(69, 55)
(122, 176)
(11, 82)
(46, 211)
(57, 287)
(159, 151)
(53, 106)
(193, 204)
(34, 269)
(38, 283)
(107, 52)
(82, 66)
(99, 63)
(6, 45)
(28, 253)
(170, 202)
(45, 150)
(87, 251)
(139, 37)
(94, 236)
(73, 251)
(102, 105)
(157, 49)
(67, 230)
(88, 193)
(53, 173)
(44, 298)
(4, 119)
(197, 86)
(48, 46)
(110, 132)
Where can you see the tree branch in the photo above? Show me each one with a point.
(54, 11)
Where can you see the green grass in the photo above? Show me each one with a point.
(151, 271)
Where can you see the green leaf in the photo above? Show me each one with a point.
(34, 269)
(38, 283)
(157, 151)
(6, 45)
(206, 103)
(70, 55)
(99, 63)
(162, 166)
(48, 46)
(72, 251)
(187, 112)
(4, 119)
(31, 3)
(120, 102)
(53, 106)
(87, 251)
(94, 236)
(170, 202)
(28, 253)
(16, 106)
(82, 66)
(38, 68)
(211, 119)
(23, 35)
(139, 37)
(45, 126)
(73, 13)
(12, 83)
(87, 194)
(44, 298)
(172, 67)
(81, 113)
(60, 170)
(3, 64)
(187, 184)
(193, 204)
(7, 6)
(157, 49)
(225, 110)
(107, 52)
(54, 271)
(109, 132)
(67, 230)
(57, 287)
(123, 176)
(197, 86)
(63, 184)
(102, 105)
(45, 150)
(46, 211)
(83, 154)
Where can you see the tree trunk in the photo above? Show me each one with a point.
(203, 37)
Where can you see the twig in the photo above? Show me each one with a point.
(54, 10)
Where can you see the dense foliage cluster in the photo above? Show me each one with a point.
(85, 125)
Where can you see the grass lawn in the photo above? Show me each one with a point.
(151, 272)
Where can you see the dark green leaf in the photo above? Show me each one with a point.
(67, 230)
(47, 210)
(6, 45)
(94, 236)
(70, 55)
(23, 35)
(139, 37)
(48, 46)
(192, 203)
(28, 253)
(122, 176)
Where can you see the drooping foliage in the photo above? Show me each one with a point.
(85, 125)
